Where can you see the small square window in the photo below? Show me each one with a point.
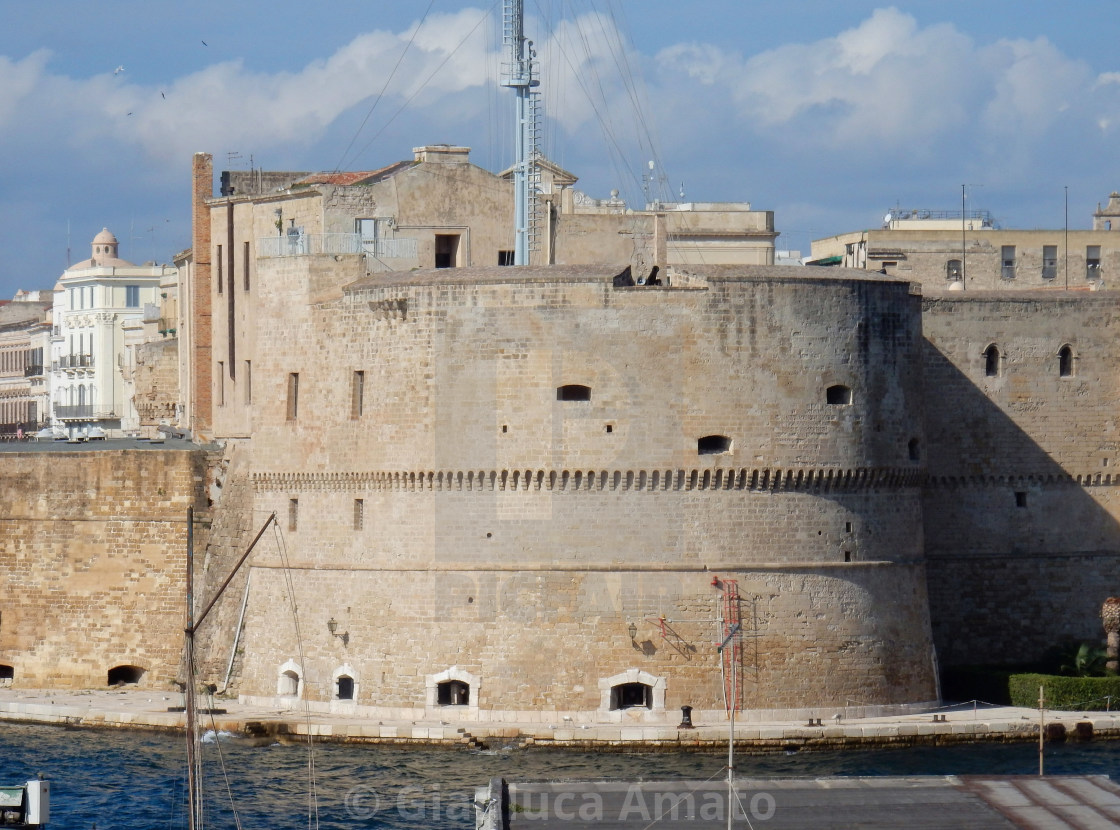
(1020, 499)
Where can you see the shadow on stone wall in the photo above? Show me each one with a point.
(1020, 551)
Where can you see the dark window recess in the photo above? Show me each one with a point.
(838, 395)
(1065, 362)
(573, 392)
(505, 257)
(915, 449)
(953, 269)
(218, 262)
(293, 514)
(7, 673)
(453, 693)
(991, 361)
(447, 250)
(632, 696)
(293, 396)
(345, 688)
(1020, 498)
(847, 556)
(119, 675)
(713, 445)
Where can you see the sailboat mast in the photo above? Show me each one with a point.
(189, 704)
(518, 74)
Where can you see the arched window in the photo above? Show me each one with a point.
(453, 693)
(915, 449)
(121, 675)
(289, 682)
(713, 445)
(953, 269)
(573, 392)
(992, 361)
(345, 687)
(838, 395)
(632, 696)
(1065, 361)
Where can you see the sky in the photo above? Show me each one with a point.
(827, 113)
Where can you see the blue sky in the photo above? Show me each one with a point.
(827, 113)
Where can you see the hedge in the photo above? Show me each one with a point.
(1072, 693)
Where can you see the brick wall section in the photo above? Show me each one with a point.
(478, 483)
(200, 302)
(1011, 576)
(92, 563)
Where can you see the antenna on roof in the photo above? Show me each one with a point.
(518, 74)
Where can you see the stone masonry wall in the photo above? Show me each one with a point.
(460, 469)
(1021, 506)
(92, 563)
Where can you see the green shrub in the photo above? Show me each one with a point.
(1074, 693)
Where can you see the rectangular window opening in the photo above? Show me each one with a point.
(132, 296)
(1020, 498)
(220, 392)
(447, 250)
(245, 265)
(1092, 262)
(357, 394)
(293, 395)
(1049, 262)
(505, 257)
(359, 513)
(293, 514)
(1007, 258)
(218, 262)
(248, 381)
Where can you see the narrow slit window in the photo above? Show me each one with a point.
(245, 265)
(357, 394)
(914, 448)
(293, 514)
(218, 262)
(992, 361)
(293, 395)
(1065, 361)
(838, 395)
(248, 381)
(713, 445)
(573, 392)
(359, 514)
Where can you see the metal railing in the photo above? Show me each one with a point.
(75, 361)
(311, 244)
(83, 412)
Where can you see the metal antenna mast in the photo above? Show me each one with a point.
(518, 74)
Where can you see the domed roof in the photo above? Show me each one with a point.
(105, 238)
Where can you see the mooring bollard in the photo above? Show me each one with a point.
(686, 718)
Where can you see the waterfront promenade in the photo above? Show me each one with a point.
(162, 710)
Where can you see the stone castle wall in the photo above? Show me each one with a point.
(1023, 498)
(458, 497)
(92, 563)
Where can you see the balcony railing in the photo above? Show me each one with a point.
(309, 244)
(32, 371)
(75, 361)
(83, 412)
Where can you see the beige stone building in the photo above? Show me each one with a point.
(943, 251)
(25, 331)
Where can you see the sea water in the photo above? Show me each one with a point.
(111, 779)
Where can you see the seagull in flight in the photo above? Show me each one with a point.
(118, 70)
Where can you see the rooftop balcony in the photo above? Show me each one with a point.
(312, 244)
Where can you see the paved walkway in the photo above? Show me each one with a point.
(163, 710)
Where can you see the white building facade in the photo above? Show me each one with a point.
(95, 301)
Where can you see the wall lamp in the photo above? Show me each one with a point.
(633, 629)
(332, 627)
